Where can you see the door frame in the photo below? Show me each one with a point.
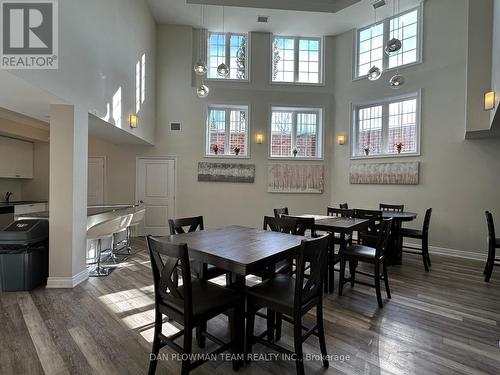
(105, 176)
(160, 157)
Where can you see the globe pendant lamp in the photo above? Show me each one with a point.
(223, 70)
(374, 73)
(202, 91)
(200, 68)
(393, 46)
(397, 81)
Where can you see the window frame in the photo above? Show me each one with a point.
(227, 108)
(320, 148)
(385, 57)
(296, 61)
(228, 55)
(385, 102)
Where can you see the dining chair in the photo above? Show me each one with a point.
(293, 298)
(305, 225)
(392, 207)
(493, 244)
(344, 206)
(278, 212)
(369, 236)
(191, 305)
(423, 236)
(376, 256)
(340, 212)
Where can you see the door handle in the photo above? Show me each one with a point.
(141, 201)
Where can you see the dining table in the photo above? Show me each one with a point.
(395, 248)
(240, 250)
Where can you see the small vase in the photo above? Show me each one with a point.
(399, 150)
(367, 152)
(237, 152)
(295, 152)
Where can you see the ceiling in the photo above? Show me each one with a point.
(284, 22)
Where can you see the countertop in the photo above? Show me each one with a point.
(19, 203)
(91, 211)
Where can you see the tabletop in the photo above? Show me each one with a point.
(338, 224)
(402, 216)
(238, 249)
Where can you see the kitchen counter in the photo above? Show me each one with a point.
(19, 203)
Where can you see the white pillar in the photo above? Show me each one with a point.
(67, 196)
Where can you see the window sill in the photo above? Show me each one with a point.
(231, 80)
(227, 156)
(305, 84)
(291, 158)
(360, 78)
(385, 156)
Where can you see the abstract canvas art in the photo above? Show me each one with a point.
(385, 173)
(225, 172)
(296, 178)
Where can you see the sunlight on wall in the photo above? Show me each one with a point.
(137, 87)
(143, 78)
(108, 113)
(117, 107)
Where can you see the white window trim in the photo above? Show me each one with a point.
(385, 61)
(228, 57)
(385, 102)
(207, 135)
(321, 133)
(322, 43)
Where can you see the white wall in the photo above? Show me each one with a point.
(496, 52)
(459, 178)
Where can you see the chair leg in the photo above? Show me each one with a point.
(188, 348)
(271, 320)
(377, 284)
(352, 269)
(279, 323)
(342, 276)
(236, 336)
(425, 255)
(200, 334)
(386, 279)
(297, 340)
(489, 271)
(250, 329)
(321, 333)
(153, 359)
(331, 269)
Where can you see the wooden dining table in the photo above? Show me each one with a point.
(395, 248)
(240, 250)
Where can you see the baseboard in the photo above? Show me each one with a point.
(67, 282)
(451, 252)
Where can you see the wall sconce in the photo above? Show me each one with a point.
(133, 120)
(259, 138)
(341, 139)
(489, 101)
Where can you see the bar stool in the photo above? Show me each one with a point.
(102, 231)
(137, 218)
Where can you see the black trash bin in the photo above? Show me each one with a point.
(24, 255)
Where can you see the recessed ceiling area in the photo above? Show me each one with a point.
(281, 22)
(330, 6)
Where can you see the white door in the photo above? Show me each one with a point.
(95, 191)
(155, 189)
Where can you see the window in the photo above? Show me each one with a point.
(372, 39)
(227, 131)
(230, 49)
(296, 60)
(117, 107)
(379, 128)
(140, 83)
(299, 129)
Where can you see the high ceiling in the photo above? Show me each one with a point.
(283, 22)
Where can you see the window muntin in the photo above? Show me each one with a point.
(382, 125)
(372, 39)
(231, 49)
(227, 127)
(296, 60)
(299, 128)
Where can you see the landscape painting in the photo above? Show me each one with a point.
(296, 178)
(226, 172)
(385, 173)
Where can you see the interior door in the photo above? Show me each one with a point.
(155, 189)
(95, 191)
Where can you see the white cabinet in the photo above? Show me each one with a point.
(16, 158)
(22, 209)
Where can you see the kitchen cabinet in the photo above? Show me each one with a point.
(16, 158)
(23, 209)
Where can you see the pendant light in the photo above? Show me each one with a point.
(202, 91)
(393, 45)
(200, 67)
(375, 72)
(397, 81)
(223, 69)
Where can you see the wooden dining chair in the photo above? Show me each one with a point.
(369, 236)
(340, 212)
(293, 298)
(392, 207)
(278, 212)
(344, 206)
(493, 244)
(423, 236)
(306, 226)
(376, 256)
(191, 305)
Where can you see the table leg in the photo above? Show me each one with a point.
(395, 245)
(239, 286)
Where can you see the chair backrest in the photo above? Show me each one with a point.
(179, 225)
(427, 222)
(344, 206)
(314, 253)
(138, 217)
(279, 212)
(491, 229)
(304, 224)
(280, 224)
(392, 207)
(166, 258)
(109, 227)
(340, 212)
(373, 215)
(383, 238)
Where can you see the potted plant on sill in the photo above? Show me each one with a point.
(215, 149)
(399, 147)
(367, 149)
(236, 150)
(295, 151)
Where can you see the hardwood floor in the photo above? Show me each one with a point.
(443, 322)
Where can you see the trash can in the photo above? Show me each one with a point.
(24, 255)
